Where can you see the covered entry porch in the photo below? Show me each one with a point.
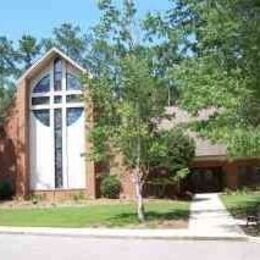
(216, 174)
(206, 180)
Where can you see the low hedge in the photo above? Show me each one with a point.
(6, 190)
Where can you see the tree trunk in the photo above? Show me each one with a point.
(169, 96)
(139, 197)
(137, 174)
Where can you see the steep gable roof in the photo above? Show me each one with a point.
(47, 57)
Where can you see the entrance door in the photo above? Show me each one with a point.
(206, 180)
(57, 139)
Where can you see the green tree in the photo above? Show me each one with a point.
(220, 42)
(112, 38)
(130, 126)
(7, 60)
(8, 71)
(6, 95)
(28, 50)
(177, 150)
(68, 38)
(165, 45)
(128, 99)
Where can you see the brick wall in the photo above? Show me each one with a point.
(7, 161)
(60, 195)
(8, 141)
(14, 155)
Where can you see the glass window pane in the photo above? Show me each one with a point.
(58, 99)
(43, 116)
(40, 101)
(58, 65)
(73, 114)
(73, 82)
(57, 74)
(43, 86)
(74, 98)
(58, 148)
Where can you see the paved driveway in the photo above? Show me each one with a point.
(209, 217)
(26, 247)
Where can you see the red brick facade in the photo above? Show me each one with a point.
(14, 143)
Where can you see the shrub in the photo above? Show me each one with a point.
(6, 190)
(174, 151)
(110, 187)
(228, 191)
(35, 198)
(245, 190)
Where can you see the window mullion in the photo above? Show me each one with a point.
(64, 137)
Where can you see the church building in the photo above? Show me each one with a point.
(44, 140)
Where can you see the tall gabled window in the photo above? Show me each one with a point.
(58, 103)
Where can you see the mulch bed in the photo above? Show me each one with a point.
(251, 230)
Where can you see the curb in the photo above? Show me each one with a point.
(254, 239)
(124, 234)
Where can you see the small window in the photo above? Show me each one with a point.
(40, 101)
(73, 82)
(43, 86)
(74, 98)
(58, 99)
(43, 116)
(57, 74)
(73, 114)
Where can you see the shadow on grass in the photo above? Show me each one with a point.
(150, 216)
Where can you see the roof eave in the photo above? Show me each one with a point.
(53, 51)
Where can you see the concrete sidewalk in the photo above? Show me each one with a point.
(209, 216)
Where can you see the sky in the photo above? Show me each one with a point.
(39, 17)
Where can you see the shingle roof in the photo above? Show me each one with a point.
(204, 147)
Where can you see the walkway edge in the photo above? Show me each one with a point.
(167, 234)
(254, 239)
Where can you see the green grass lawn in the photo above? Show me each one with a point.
(108, 215)
(241, 204)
